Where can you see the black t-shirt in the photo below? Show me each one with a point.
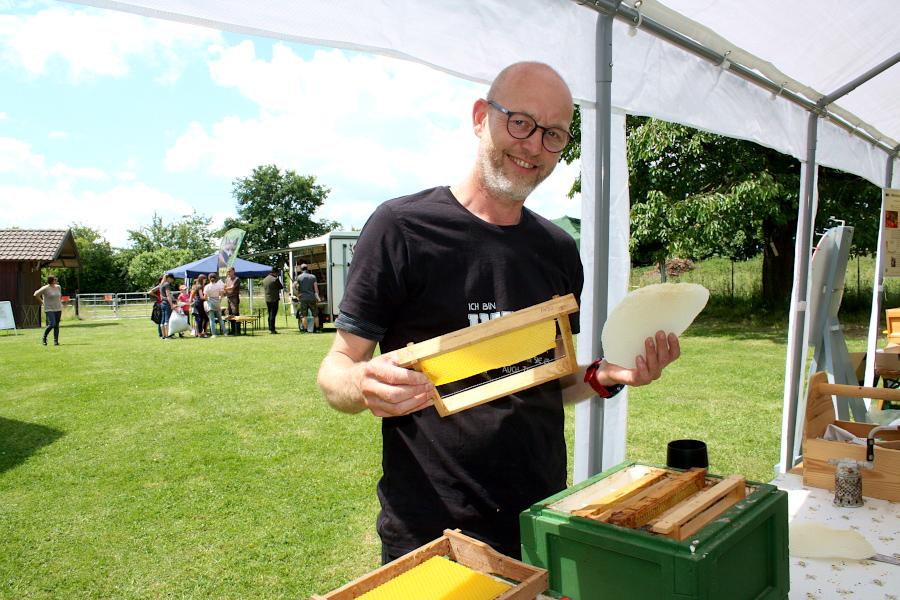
(164, 291)
(425, 266)
(307, 286)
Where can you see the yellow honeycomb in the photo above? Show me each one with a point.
(500, 351)
(438, 579)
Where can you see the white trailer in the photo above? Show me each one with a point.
(328, 257)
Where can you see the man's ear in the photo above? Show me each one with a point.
(479, 116)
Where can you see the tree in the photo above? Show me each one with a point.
(721, 195)
(276, 207)
(158, 247)
(145, 268)
(101, 271)
(191, 232)
(696, 194)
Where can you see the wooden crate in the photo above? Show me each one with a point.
(883, 480)
(462, 549)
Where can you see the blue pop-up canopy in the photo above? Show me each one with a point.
(210, 264)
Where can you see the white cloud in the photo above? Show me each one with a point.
(57, 195)
(368, 127)
(16, 157)
(3, 116)
(58, 135)
(92, 42)
(63, 172)
(112, 211)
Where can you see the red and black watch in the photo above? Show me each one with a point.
(590, 378)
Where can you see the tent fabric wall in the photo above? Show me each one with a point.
(612, 426)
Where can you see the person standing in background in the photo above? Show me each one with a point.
(233, 293)
(50, 297)
(307, 292)
(168, 303)
(272, 287)
(184, 303)
(201, 319)
(157, 301)
(214, 291)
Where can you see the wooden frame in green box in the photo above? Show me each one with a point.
(742, 554)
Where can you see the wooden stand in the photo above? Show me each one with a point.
(463, 550)
(556, 309)
(883, 480)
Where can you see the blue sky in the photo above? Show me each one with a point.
(107, 117)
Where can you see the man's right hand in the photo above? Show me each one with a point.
(392, 391)
(353, 380)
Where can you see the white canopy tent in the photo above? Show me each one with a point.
(780, 74)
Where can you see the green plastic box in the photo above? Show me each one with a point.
(742, 554)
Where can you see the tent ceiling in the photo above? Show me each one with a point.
(814, 46)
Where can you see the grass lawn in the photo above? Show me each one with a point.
(136, 468)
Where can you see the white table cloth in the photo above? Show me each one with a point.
(828, 579)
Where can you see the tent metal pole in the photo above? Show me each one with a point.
(617, 9)
(799, 316)
(858, 81)
(589, 414)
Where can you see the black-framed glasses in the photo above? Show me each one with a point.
(522, 126)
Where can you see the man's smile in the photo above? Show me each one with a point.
(522, 163)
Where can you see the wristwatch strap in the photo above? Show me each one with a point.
(590, 378)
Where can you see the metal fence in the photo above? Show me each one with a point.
(130, 305)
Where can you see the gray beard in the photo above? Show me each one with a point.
(495, 180)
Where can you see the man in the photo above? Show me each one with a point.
(233, 293)
(306, 289)
(214, 292)
(446, 258)
(272, 287)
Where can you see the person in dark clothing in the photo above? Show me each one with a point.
(201, 318)
(438, 261)
(306, 291)
(272, 287)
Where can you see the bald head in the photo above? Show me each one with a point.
(529, 72)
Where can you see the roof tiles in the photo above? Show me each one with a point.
(31, 244)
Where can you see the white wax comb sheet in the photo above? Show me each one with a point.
(812, 540)
(669, 307)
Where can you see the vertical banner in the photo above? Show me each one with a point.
(891, 222)
(228, 249)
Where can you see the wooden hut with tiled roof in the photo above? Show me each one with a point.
(23, 253)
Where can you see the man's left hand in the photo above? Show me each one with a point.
(658, 354)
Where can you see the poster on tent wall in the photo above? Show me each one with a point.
(229, 248)
(891, 233)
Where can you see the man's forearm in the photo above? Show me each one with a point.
(337, 379)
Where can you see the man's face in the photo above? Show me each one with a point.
(510, 167)
(231, 272)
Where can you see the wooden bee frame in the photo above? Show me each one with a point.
(528, 581)
(557, 309)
